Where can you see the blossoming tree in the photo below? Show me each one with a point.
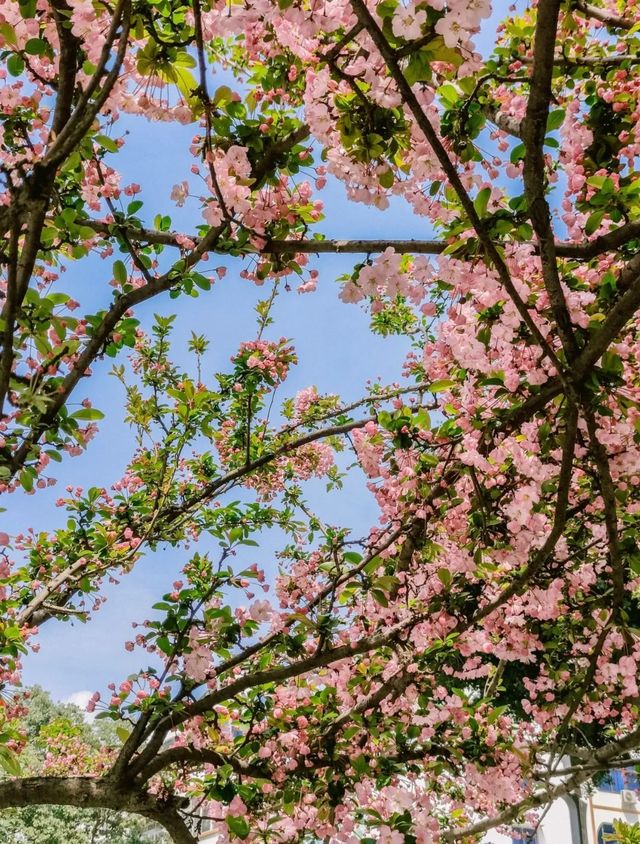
(422, 683)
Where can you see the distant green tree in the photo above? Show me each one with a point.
(64, 824)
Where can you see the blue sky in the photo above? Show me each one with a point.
(336, 351)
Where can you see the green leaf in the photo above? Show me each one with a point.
(387, 582)
(238, 826)
(634, 563)
(165, 645)
(35, 47)
(15, 64)
(201, 281)
(386, 179)
(517, 153)
(495, 714)
(386, 8)
(593, 223)
(28, 8)
(184, 60)
(419, 67)
(612, 363)
(107, 143)
(88, 413)
(223, 94)
(9, 761)
(26, 480)
(8, 33)
(360, 764)
(444, 576)
(423, 420)
(440, 386)
(555, 119)
(186, 83)
(448, 94)
(481, 201)
(380, 597)
(120, 272)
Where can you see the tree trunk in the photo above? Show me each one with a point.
(91, 793)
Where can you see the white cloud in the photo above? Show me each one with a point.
(81, 699)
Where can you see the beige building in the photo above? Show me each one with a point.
(584, 819)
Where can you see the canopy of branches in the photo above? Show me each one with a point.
(419, 683)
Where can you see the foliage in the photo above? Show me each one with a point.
(624, 833)
(43, 721)
(421, 683)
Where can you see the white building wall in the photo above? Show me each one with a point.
(561, 824)
(604, 807)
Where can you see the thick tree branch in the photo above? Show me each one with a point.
(124, 302)
(9, 315)
(564, 61)
(534, 171)
(88, 107)
(603, 15)
(194, 757)
(284, 672)
(395, 685)
(559, 519)
(411, 101)
(35, 612)
(608, 491)
(624, 309)
(100, 337)
(23, 260)
(93, 793)
(609, 242)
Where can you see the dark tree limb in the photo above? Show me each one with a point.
(608, 492)
(89, 106)
(603, 15)
(534, 129)
(489, 248)
(93, 793)
(193, 757)
(623, 310)
(559, 518)
(9, 315)
(587, 250)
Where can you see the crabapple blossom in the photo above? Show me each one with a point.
(405, 681)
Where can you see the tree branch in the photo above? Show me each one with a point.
(608, 492)
(192, 756)
(284, 672)
(534, 171)
(86, 109)
(559, 518)
(618, 316)
(603, 757)
(602, 15)
(490, 250)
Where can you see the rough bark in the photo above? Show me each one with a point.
(91, 793)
